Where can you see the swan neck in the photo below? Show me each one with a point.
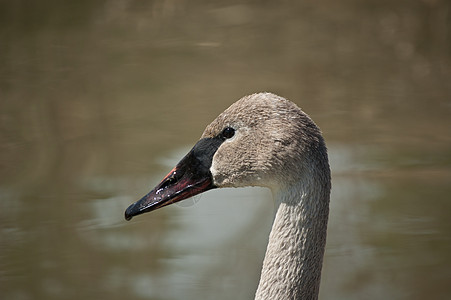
(294, 256)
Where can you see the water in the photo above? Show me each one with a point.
(98, 100)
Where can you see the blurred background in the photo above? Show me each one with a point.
(100, 99)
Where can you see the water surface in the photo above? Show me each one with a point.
(98, 100)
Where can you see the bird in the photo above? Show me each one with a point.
(264, 140)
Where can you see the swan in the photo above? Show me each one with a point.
(264, 140)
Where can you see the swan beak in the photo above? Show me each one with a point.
(190, 177)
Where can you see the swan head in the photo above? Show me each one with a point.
(274, 143)
(260, 140)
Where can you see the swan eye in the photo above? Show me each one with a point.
(228, 132)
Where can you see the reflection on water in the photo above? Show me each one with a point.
(98, 100)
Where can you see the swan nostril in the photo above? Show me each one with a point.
(169, 181)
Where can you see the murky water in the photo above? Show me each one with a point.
(98, 100)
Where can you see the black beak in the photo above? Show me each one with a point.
(190, 177)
